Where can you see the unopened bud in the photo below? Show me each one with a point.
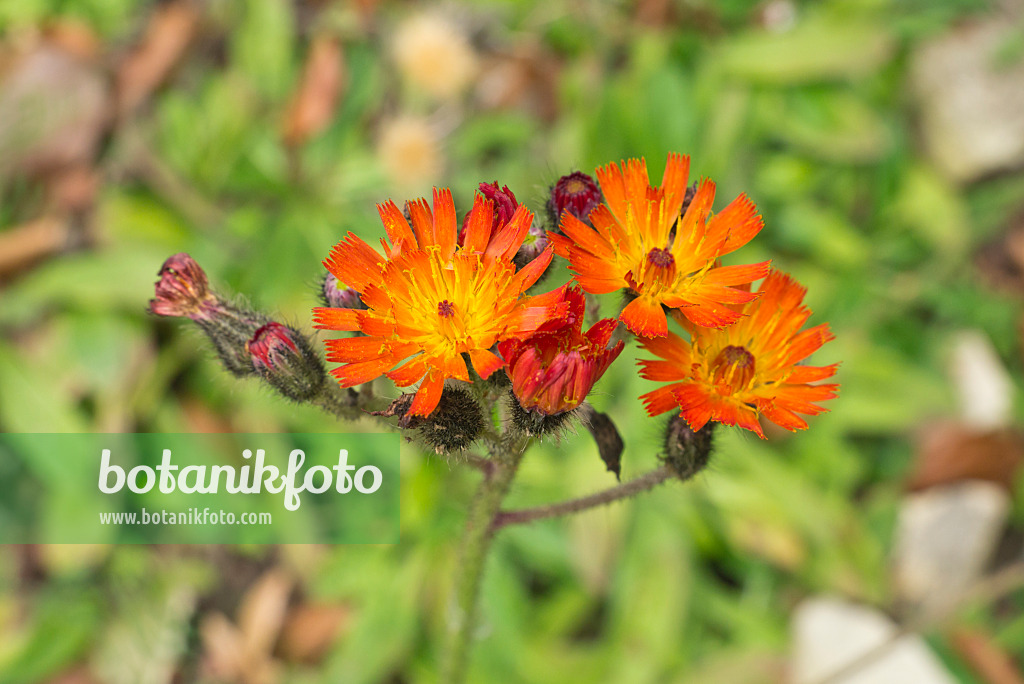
(283, 357)
(687, 452)
(455, 423)
(452, 426)
(183, 290)
(505, 206)
(336, 294)
(535, 243)
(576, 193)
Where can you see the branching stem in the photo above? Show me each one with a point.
(625, 490)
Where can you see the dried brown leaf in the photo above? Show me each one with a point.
(316, 98)
(171, 28)
(1000, 262)
(24, 245)
(992, 664)
(262, 611)
(310, 630)
(952, 452)
(223, 653)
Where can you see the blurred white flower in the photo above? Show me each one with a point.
(409, 151)
(434, 55)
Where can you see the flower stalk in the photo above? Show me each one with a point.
(476, 545)
(643, 483)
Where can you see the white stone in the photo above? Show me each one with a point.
(944, 538)
(971, 105)
(830, 634)
(983, 385)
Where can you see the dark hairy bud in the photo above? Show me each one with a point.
(452, 426)
(687, 452)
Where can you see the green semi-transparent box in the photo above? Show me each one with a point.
(59, 488)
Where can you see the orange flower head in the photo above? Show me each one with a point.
(430, 300)
(747, 370)
(554, 369)
(640, 241)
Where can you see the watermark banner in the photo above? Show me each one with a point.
(199, 488)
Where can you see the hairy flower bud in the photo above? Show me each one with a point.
(183, 290)
(687, 452)
(576, 193)
(339, 296)
(455, 423)
(533, 246)
(284, 358)
(452, 426)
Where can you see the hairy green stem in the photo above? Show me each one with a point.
(476, 543)
(648, 480)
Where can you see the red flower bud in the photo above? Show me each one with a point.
(183, 290)
(553, 369)
(505, 205)
(576, 193)
(282, 356)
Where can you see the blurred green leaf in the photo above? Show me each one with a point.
(818, 48)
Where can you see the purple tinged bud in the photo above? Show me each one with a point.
(535, 243)
(183, 290)
(339, 296)
(284, 358)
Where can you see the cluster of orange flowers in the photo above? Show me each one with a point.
(442, 295)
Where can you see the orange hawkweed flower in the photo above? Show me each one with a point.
(639, 241)
(747, 370)
(430, 300)
(554, 369)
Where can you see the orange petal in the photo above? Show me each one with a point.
(446, 228)
(739, 222)
(645, 317)
(710, 315)
(428, 396)
(660, 400)
(395, 224)
(352, 374)
(805, 374)
(355, 349)
(673, 181)
(737, 275)
(528, 275)
(478, 228)
(484, 362)
(354, 262)
(509, 238)
(336, 319)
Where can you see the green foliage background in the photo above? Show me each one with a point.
(690, 583)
